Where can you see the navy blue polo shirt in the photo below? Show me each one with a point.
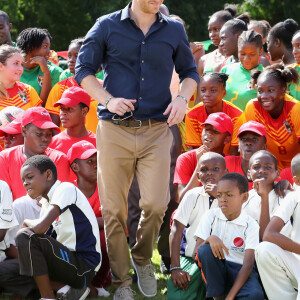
(137, 66)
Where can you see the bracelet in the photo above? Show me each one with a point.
(107, 100)
(175, 268)
(179, 96)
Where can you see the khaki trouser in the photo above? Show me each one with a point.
(122, 152)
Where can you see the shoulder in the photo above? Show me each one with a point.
(54, 68)
(55, 154)
(231, 108)
(196, 111)
(11, 152)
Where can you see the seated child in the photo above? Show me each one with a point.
(185, 281)
(216, 133)
(12, 133)
(277, 257)
(82, 157)
(263, 201)
(227, 238)
(71, 259)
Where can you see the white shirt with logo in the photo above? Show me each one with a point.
(253, 208)
(238, 235)
(190, 211)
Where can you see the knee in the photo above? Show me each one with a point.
(264, 251)
(22, 237)
(256, 294)
(204, 251)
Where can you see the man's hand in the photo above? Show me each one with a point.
(120, 106)
(217, 247)
(260, 186)
(180, 279)
(196, 46)
(282, 187)
(177, 110)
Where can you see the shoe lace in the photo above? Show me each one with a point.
(147, 271)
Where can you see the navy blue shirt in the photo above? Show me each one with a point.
(136, 66)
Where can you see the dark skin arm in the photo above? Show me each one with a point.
(282, 187)
(243, 274)
(12, 252)
(180, 278)
(2, 234)
(272, 234)
(40, 226)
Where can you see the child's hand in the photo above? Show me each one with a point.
(201, 150)
(180, 279)
(282, 187)
(260, 186)
(211, 189)
(217, 247)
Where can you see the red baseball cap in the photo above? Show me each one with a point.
(81, 150)
(253, 126)
(40, 117)
(73, 96)
(220, 121)
(14, 127)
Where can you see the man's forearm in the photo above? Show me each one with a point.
(91, 84)
(188, 87)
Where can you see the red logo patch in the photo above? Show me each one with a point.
(238, 242)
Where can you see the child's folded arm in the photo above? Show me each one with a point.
(243, 274)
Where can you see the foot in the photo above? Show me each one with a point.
(146, 279)
(103, 292)
(74, 294)
(124, 293)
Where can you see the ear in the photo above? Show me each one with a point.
(75, 167)
(261, 51)
(10, 26)
(24, 131)
(265, 146)
(85, 110)
(249, 175)
(277, 43)
(296, 180)
(245, 197)
(49, 175)
(227, 139)
(277, 174)
(225, 171)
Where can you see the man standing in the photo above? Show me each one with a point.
(137, 48)
(5, 28)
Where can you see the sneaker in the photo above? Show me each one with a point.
(74, 294)
(124, 293)
(102, 292)
(146, 279)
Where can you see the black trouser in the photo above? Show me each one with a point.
(41, 255)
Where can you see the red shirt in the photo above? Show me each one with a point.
(12, 159)
(287, 174)
(63, 142)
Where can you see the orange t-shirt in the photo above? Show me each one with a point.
(197, 115)
(91, 120)
(21, 95)
(12, 159)
(283, 133)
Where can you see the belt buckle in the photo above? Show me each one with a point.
(139, 124)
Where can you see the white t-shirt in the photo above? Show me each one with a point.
(76, 227)
(237, 235)
(7, 216)
(253, 208)
(189, 213)
(288, 209)
(24, 208)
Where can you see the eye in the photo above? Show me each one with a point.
(216, 169)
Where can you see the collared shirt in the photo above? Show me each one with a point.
(238, 235)
(76, 227)
(190, 211)
(137, 66)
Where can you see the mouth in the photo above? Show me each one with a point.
(211, 180)
(266, 103)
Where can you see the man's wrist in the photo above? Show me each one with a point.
(107, 101)
(181, 97)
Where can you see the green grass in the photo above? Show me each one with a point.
(161, 282)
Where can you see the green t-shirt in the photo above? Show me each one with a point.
(292, 88)
(66, 74)
(34, 76)
(239, 89)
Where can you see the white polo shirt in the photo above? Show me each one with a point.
(76, 227)
(189, 213)
(253, 208)
(237, 235)
(24, 208)
(290, 208)
(7, 216)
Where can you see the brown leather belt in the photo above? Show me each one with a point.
(132, 122)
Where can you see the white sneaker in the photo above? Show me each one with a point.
(103, 292)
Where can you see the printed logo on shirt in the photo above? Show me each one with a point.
(7, 212)
(238, 242)
(23, 96)
(40, 80)
(287, 126)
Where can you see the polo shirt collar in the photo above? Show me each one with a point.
(125, 14)
(240, 220)
(52, 190)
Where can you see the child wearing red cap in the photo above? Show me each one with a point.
(212, 91)
(82, 157)
(74, 106)
(37, 129)
(216, 133)
(12, 134)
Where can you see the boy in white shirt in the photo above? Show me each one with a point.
(185, 281)
(278, 256)
(227, 237)
(263, 200)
